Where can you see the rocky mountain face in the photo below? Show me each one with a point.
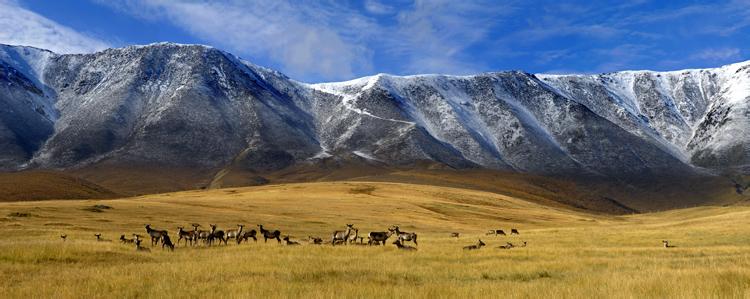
(196, 106)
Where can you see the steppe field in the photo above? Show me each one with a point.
(570, 253)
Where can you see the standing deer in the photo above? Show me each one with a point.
(99, 238)
(63, 237)
(156, 235)
(353, 237)
(166, 241)
(342, 235)
(267, 234)
(666, 244)
(216, 234)
(475, 246)
(514, 231)
(404, 236)
(234, 234)
(378, 237)
(189, 236)
(200, 234)
(455, 235)
(404, 247)
(247, 235)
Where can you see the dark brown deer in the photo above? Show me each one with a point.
(378, 237)
(289, 242)
(126, 240)
(155, 234)
(514, 231)
(139, 248)
(63, 237)
(497, 232)
(188, 236)
(404, 236)
(99, 238)
(267, 234)
(247, 235)
(315, 240)
(455, 235)
(166, 241)
(216, 234)
(404, 247)
(342, 235)
(667, 245)
(475, 246)
(507, 245)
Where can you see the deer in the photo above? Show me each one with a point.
(507, 245)
(475, 246)
(403, 247)
(342, 234)
(234, 234)
(200, 234)
(99, 238)
(267, 234)
(189, 236)
(455, 235)
(139, 248)
(166, 241)
(247, 235)
(63, 237)
(353, 238)
(216, 234)
(378, 237)
(666, 244)
(514, 231)
(496, 232)
(289, 242)
(404, 236)
(126, 240)
(314, 240)
(156, 235)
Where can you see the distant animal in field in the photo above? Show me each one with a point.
(455, 235)
(167, 242)
(216, 235)
(315, 240)
(378, 237)
(404, 236)
(99, 238)
(514, 231)
(267, 234)
(497, 232)
(342, 235)
(188, 236)
(126, 240)
(138, 246)
(234, 234)
(353, 237)
(475, 246)
(523, 245)
(666, 244)
(155, 234)
(137, 237)
(63, 237)
(200, 234)
(247, 235)
(507, 245)
(289, 242)
(404, 247)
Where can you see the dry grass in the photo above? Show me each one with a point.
(570, 254)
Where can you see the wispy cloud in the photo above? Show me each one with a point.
(717, 55)
(377, 7)
(20, 26)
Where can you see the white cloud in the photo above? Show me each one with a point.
(19, 26)
(720, 54)
(376, 7)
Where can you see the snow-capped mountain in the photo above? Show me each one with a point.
(196, 106)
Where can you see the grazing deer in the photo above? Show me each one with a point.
(216, 234)
(314, 240)
(342, 235)
(247, 235)
(156, 235)
(514, 231)
(189, 236)
(475, 246)
(63, 237)
(235, 234)
(139, 248)
(404, 247)
(455, 235)
(289, 242)
(507, 245)
(126, 240)
(666, 244)
(404, 236)
(378, 237)
(200, 234)
(99, 238)
(166, 241)
(267, 234)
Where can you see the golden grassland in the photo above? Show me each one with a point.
(570, 253)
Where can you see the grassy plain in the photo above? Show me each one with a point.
(569, 254)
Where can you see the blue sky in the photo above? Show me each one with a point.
(316, 41)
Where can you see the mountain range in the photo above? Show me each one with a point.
(196, 107)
